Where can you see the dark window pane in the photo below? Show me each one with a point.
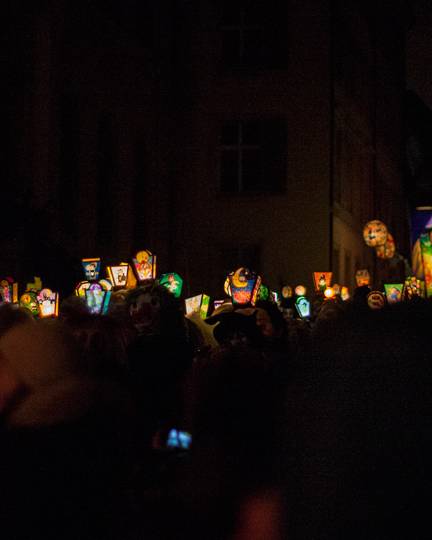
(252, 175)
(229, 171)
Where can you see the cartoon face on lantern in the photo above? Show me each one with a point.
(375, 300)
(48, 303)
(97, 298)
(244, 286)
(29, 301)
(375, 233)
(145, 265)
(393, 292)
(91, 268)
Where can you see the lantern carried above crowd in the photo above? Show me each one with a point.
(244, 285)
(144, 263)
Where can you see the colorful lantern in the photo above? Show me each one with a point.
(131, 279)
(48, 303)
(8, 291)
(329, 293)
(36, 285)
(144, 264)
(375, 233)
(217, 304)
(118, 275)
(376, 300)
(244, 285)
(362, 278)
(173, 282)
(29, 301)
(388, 250)
(91, 268)
(227, 288)
(393, 292)
(345, 293)
(322, 280)
(337, 289)
(287, 292)
(413, 287)
(303, 308)
(81, 288)
(198, 304)
(426, 255)
(300, 290)
(97, 299)
(275, 297)
(263, 292)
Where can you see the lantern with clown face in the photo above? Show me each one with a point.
(375, 233)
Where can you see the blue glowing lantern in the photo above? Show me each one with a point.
(244, 285)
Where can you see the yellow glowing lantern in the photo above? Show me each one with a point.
(300, 290)
(118, 275)
(362, 277)
(144, 264)
(322, 280)
(48, 303)
(329, 293)
(388, 250)
(345, 293)
(81, 288)
(375, 233)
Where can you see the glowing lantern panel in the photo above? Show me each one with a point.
(287, 292)
(8, 291)
(244, 286)
(322, 280)
(426, 254)
(300, 290)
(375, 233)
(393, 292)
(376, 300)
(29, 301)
(388, 250)
(91, 268)
(173, 282)
(48, 303)
(362, 277)
(97, 299)
(118, 275)
(144, 264)
(303, 308)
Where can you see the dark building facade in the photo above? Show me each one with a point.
(216, 134)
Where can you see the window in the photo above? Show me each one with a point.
(253, 157)
(253, 33)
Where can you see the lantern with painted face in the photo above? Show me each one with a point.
(29, 301)
(412, 288)
(362, 277)
(118, 275)
(198, 304)
(48, 303)
(263, 292)
(244, 286)
(91, 268)
(393, 292)
(322, 280)
(376, 300)
(144, 264)
(375, 233)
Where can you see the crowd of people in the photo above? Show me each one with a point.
(252, 424)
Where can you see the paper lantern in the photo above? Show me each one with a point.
(244, 285)
(173, 282)
(345, 295)
(275, 297)
(337, 289)
(81, 288)
(388, 250)
(376, 300)
(375, 233)
(144, 264)
(29, 301)
(118, 275)
(48, 303)
(91, 268)
(300, 290)
(426, 255)
(97, 299)
(131, 279)
(227, 288)
(198, 304)
(393, 292)
(217, 304)
(413, 288)
(8, 291)
(322, 280)
(263, 292)
(362, 278)
(36, 285)
(287, 292)
(329, 293)
(303, 308)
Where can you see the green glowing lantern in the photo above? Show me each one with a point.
(303, 307)
(173, 282)
(198, 304)
(29, 301)
(263, 292)
(393, 292)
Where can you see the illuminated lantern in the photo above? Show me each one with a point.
(388, 250)
(393, 292)
(244, 285)
(426, 255)
(91, 268)
(118, 275)
(263, 292)
(412, 287)
(329, 293)
(8, 291)
(300, 290)
(345, 293)
(375, 233)
(198, 304)
(227, 288)
(303, 308)
(322, 280)
(337, 289)
(275, 296)
(48, 303)
(287, 292)
(106, 284)
(97, 299)
(131, 279)
(173, 282)
(362, 278)
(217, 304)
(29, 301)
(81, 288)
(376, 300)
(144, 264)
